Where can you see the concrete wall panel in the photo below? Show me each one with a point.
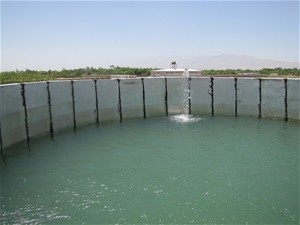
(61, 104)
(85, 102)
(200, 96)
(155, 97)
(12, 114)
(247, 97)
(37, 108)
(293, 99)
(108, 100)
(272, 95)
(176, 88)
(224, 96)
(132, 98)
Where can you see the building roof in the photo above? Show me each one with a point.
(174, 70)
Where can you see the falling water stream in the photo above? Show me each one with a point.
(186, 116)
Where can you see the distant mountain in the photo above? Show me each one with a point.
(225, 61)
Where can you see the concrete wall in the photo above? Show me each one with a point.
(85, 102)
(131, 98)
(293, 103)
(108, 100)
(175, 92)
(155, 97)
(36, 96)
(201, 96)
(273, 94)
(12, 114)
(224, 96)
(61, 104)
(33, 109)
(248, 97)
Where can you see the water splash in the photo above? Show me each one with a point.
(186, 117)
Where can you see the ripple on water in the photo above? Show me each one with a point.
(224, 171)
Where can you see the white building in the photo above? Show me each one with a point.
(122, 76)
(175, 73)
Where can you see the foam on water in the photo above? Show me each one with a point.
(185, 118)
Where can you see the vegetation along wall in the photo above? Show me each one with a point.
(32, 109)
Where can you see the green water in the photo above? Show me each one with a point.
(219, 170)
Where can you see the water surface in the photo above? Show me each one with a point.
(219, 170)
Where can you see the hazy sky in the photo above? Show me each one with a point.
(72, 34)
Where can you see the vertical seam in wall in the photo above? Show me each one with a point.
(1, 143)
(97, 106)
(260, 99)
(120, 101)
(212, 95)
(73, 105)
(285, 100)
(50, 110)
(166, 97)
(189, 95)
(25, 114)
(235, 96)
(144, 100)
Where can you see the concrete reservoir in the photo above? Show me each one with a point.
(33, 109)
